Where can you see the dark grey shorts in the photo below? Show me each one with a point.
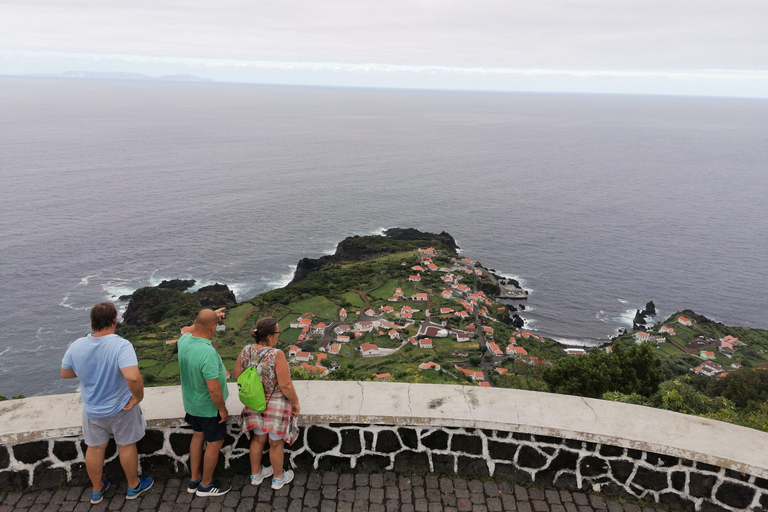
(127, 427)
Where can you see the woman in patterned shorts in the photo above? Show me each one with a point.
(277, 423)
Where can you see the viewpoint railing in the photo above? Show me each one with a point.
(522, 436)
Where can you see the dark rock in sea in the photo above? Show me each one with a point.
(151, 305)
(177, 284)
(639, 317)
(522, 307)
(517, 321)
(212, 295)
(124, 297)
(650, 309)
(511, 307)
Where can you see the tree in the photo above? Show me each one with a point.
(634, 369)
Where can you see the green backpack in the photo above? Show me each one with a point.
(250, 390)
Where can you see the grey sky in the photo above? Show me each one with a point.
(719, 39)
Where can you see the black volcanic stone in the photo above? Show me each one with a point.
(111, 450)
(11, 481)
(160, 465)
(333, 463)
(180, 443)
(5, 458)
(502, 435)
(63, 450)
(503, 451)
(46, 477)
(593, 466)
(304, 461)
(522, 437)
(387, 442)
(764, 501)
(568, 482)
(736, 475)
(321, 439)
(707, 467)
(761, 482)
(245, 443)
(487, 433)
(443, 463)
(368, 437)
(547, 440)
(409, 437)
(676, 501)
(590, 447)
(735, 495)
(607, 450)
(350, 441)
(708, 506)
(151, 442)
(621, 470)
(549, 450)
(661, 461)
(512, 473)
(650, 479)
(228, 441)
(437, 440)
(634, 454)
(564, 460)
(410, 461)
(241, 464)
(700, 486)
(30, 453)
(297, 445)
(373, 462)
(472, 445)
(472, 466)
(612, 489)
(573, 443)
(78, 474)
(678, 480)
(528, 457)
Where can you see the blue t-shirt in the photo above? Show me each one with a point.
(97, 363)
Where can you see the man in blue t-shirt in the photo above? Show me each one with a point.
(111, 388)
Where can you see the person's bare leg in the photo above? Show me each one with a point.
(196, 456)
(129, 460)
(276, 454)
(94, 465)
(256, 451)
(210, 459)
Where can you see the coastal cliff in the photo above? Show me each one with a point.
(357, 248)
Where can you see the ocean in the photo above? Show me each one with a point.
(596, 203)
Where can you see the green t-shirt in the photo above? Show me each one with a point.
(198, 362)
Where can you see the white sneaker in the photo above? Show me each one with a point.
(287, 478)
(264, 473)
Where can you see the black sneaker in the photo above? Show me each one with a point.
(193, 485)
(215, 489)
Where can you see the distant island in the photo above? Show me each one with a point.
(97, 75)
(405, 306)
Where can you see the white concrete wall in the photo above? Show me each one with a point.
(629, 426)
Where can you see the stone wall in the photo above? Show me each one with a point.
(341, 438)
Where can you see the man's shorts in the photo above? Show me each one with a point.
(127, 427)
(210, 427)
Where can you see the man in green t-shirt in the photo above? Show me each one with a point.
(204, 390)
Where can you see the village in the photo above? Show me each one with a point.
(458, 314)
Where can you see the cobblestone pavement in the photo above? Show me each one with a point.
(328, 492)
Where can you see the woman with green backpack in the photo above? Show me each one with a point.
(276, 423)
